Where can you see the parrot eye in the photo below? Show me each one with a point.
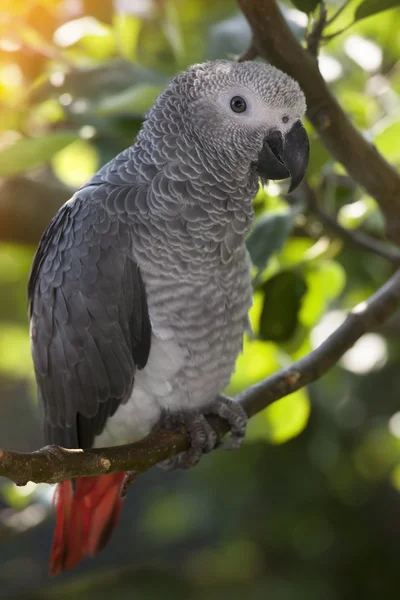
(285, 119)
(238, 104)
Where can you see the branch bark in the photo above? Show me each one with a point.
(249, 54)
(275, 42)
(54, 464)
(315, 35)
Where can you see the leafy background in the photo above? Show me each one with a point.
(310, 507)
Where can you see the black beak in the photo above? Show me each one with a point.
(285, 156)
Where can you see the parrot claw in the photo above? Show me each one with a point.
(203, 439)
(202, 436)
(130, 477)
(236, 417)
(53, 450)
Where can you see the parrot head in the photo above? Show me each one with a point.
(248, 115)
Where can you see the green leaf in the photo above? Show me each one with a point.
(258, 360)
(387, 141)
(173, 31)
(361, 108)
(287, 417)
(15, 356)
(319, 157)
(372, 7)
(306, 6)
(395, 477)
(127, 28)
(325, 281)
(283, 294)
(88, 35)
(353, 215)
(268, 236)
(97, 47)
(18, 496)
(134, 100)
(28, 153)
(76, 164)
(294, 251)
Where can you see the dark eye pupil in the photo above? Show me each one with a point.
(238, 104)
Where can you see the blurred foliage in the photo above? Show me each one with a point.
(313, 518)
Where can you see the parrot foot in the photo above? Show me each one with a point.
(202, 437)
(236, 417)
(53, 450)
(130, 477)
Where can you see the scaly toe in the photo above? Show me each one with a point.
(236, 417)
(130, 477)
(203, 439)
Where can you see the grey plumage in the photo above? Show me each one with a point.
(140, 288)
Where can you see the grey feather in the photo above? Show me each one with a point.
(90, 326)
(156, 236)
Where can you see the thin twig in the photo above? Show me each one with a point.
(54, 464)
(328, 38)
(357, 238)
(315, 35)
(337, 13)
(250, 54)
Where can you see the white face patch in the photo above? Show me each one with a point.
(258, 113)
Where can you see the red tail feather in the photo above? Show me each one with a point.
(86, 518)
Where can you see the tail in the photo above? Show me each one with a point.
(86, 518)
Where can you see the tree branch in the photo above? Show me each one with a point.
(315, 35)
(357, 238)
(54, 464)
(250, 54)
(275, 42)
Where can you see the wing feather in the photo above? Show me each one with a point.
(90, 327)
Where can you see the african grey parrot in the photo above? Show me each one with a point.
(140, 288)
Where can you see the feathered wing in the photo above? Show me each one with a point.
(90, 327)
(90, 330)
